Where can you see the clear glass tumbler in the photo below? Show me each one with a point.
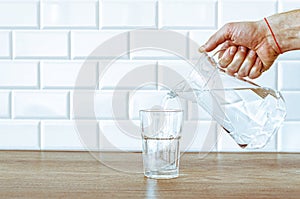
(161, 133)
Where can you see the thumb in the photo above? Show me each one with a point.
(216, 39)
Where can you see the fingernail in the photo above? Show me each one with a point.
(242, 48)
(251, 53)
(221, 63)
(253, 71)
(202, 49)
(232, 50)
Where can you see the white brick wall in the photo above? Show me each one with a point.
(41, 44)
(45, 43)
(19, 134)
(40, 104)
(19, 74)
(128, 14)
(5, 40)
(66, 78)
(69, 14)
(188, 14)
(5, 104)
(235, 10)
(83, 43)
(19, 14)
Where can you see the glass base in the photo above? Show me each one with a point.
(162, 174)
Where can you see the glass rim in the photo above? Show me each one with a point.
(162, 110)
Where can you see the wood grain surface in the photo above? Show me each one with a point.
(29, 174)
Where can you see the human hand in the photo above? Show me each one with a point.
(248, 48)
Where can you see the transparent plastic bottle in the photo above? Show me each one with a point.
(249, 113)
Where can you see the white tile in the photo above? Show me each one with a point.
(69, 14)
(120, 136)
(187, 14)
(99, 44)
(5, 50)
(19, 135)
(196, 39)
(99, 104)
(288, 75)
(128, 14)
(227, 144)
(111, 105)
(199, 136)
(41, 44)
(171, 73)
(247, 10)
(290, 55)
(19, 13)
(127, 75)
(289, 137)
(287, 5)
(158, 44)
(292, 104)
(40, 104)
(139, 100)
(5, 104)
(69, 135)
(62, 74)
(17, 74)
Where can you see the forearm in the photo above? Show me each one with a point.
(286, 27)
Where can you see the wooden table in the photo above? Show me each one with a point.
(28, 174)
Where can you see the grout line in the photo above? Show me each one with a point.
(69, 106)
(12, 45)
(29, 58)
(12, 104)
(129, 46)
(157, 14)
(218, 13)
(157, 75)
(39, 15)
(40, 135)
(65, 28)
(98, 134)
(188, 28)
(97, 86)
(98, 14)
(277, 6)
(127, 107)
(69, 45)
(39, 76)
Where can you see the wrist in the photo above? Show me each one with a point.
(278, 48)
(286, 28)
(266, 38)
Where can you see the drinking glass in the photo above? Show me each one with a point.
(161, 133)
